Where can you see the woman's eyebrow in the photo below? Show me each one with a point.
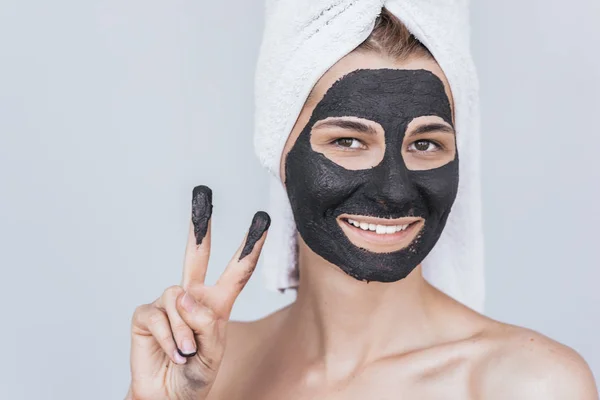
(348, 124)
(432, 127)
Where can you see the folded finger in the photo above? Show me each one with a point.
(183, 334)
(208, 326)
(157, 323)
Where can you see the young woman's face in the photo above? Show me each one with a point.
(371, 166)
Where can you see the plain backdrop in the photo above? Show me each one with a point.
(112, 111)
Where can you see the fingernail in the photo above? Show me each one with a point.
(260, 223)
(188, 303)
(188, 347)
(178, 358)
(201, 211)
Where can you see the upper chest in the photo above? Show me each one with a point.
(438, 374)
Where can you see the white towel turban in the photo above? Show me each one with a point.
(302, 40)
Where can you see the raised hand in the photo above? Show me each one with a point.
(178, 341)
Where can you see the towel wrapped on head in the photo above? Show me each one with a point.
(302, 40)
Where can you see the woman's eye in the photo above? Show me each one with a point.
(349, 143)
(424, 146)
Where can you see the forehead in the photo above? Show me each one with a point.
(368, 60)
(385, 94)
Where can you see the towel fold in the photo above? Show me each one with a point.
(302, 40)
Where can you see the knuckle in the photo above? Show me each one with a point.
(156, 317)
(172, 291)
(138, 314)
(214, 315)
(206, 317)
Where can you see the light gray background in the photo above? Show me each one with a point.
(111, 111)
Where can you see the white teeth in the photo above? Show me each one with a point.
(379, 229)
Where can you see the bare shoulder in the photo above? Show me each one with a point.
(524, 364)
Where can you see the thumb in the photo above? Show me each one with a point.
(208, 328)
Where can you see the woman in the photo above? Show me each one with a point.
(371, 171)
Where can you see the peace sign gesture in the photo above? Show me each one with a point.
(178, 341)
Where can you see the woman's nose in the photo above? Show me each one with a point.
(392, 188)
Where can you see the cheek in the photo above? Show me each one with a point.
(438, 186)
(316, 183)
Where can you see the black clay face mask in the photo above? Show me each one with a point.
(320, 190)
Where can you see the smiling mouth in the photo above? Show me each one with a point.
(380, 235)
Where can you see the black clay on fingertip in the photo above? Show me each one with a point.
(201, 211)
(260, 224)
(186, 355)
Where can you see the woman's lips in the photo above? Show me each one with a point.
(380, 235)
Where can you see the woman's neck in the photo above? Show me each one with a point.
(338, 319)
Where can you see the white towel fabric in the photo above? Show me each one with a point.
(302, 40)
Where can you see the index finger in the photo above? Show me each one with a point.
(197, 250)
(242, 265)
